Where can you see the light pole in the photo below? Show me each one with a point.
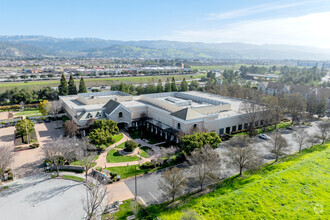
(27, 132)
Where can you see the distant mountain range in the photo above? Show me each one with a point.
(43, 46)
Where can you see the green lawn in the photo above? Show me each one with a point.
(115, 157)
(121, 146)
(34, 112)
(73, 178)
(297, 187)
(118, 137)
(143, 151)
(128, 171)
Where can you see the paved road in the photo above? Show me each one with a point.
(40, 197)
(148, 184)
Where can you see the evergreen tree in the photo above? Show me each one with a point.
(63, 87)
(72, 86)
(173, 85)
(82, 87)
(184, 85)
(168, 87)
(160, 86)
(123, 87)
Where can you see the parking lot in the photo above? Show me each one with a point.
(41, 197)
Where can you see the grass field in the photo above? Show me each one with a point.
(29, 112)
(94, 81)
(297, 187)
(115, 157)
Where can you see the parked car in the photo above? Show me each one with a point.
(2, 125)
(47, 120)
(34, 121)
(40, 121)
(263, 136)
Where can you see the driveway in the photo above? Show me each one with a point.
(40, 197)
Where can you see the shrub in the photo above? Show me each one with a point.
(113, 175)
(147, 165)
(35, 145)
(130, 146)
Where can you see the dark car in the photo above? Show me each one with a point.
(47, 120)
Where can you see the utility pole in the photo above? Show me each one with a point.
(135, 185)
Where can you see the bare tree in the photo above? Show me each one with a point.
(205, 163)
(53, 108)
(242, 154)
(278, 145)
(10, 115)
(96, 195)
(324, 130)
(22, 104)
(296, 105)
(61, 150)
(70, 128)
(250, 111)
(272, 108)
(312, 139)
(301, 138)
(6, 158)
(173, 182)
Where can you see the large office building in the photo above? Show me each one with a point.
(164, 114)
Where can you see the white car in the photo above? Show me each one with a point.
(263, 136)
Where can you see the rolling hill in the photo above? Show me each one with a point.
(295, 188)
(41, 46)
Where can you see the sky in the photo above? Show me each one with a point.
(293, 22)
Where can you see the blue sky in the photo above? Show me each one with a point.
(304, 22)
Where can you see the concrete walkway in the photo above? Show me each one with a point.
(102, 160)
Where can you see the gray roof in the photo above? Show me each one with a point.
(110, 106)
(187, 114)
(92, 114)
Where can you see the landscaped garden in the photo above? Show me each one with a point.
(286, 193)
(115, 157)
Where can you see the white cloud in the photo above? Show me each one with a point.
(308, 30)
(252, 10)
